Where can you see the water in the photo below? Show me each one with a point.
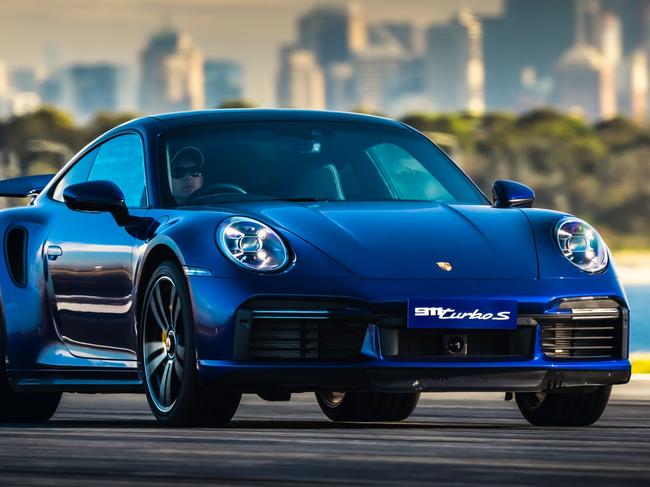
(639, 297)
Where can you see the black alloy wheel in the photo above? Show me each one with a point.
(23, 407)
(367, 406)
(168, 357)
(563, 408)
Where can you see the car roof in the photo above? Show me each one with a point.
(205, 117)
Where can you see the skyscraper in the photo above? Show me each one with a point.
(386, 33)
(454, 64)
(341, 87)
(589, 22)
(635, 16)
(4, 79)
(4, 90)
(24, 79)
(585, 84)
(585, 80)
(377, 75)
(611, 37)
(223, 81)
(531, 35)
(333, 35)
(632, 86)
(171, 74)
(301, 83)
(95, 88)
(52, 89)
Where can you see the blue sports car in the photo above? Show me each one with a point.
(199, 256)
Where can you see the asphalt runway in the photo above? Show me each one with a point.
(452, 439)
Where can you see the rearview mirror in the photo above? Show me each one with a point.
(97, 196)
(511, 194)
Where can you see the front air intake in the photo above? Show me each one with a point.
(299, 330)
(586, 329)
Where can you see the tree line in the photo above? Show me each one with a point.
(599, 172)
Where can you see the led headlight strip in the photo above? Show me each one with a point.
(252, 244)
(582, 245)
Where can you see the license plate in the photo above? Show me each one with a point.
(460, 313)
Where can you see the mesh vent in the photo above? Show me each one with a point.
(591, 329)
(307, 334)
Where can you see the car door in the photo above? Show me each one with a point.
(89, 257)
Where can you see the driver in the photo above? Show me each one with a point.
(186, 167)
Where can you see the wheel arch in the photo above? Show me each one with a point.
(156, 254)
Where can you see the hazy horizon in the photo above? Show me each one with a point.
(248, 31)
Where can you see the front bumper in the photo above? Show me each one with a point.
(549, 350)
(382, 376)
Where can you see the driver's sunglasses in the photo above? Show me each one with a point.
(181, 172)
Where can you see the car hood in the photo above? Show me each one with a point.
(408, 240)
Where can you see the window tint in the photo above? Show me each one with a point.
(76, 174)
(309, 160)
(121, 160)
(406, 176)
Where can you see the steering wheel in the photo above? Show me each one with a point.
(218, 188)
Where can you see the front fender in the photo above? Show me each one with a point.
(552, 264)
(192, 236)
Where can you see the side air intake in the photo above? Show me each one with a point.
(16, 255)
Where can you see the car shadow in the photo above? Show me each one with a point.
(245, 424)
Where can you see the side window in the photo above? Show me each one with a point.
(407, 177)
(121, 160)
(76, 174)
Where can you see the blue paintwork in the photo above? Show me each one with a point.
(357, 250)
(24, 186)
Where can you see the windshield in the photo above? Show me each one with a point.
(310, 161)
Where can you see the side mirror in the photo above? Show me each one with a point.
(97, 196)
(511, 194)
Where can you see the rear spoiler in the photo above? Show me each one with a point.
(24, 186)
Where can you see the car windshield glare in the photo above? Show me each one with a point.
(310, 161)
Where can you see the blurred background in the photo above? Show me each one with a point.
(553, 93)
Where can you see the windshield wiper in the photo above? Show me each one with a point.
(241, 198)
(298, 200)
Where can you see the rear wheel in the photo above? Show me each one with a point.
(168, 357)
(24, 407)
(563, 409)
(367, 406)
(27, 407)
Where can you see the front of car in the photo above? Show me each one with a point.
(348, 255)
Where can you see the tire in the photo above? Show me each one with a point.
(24, 407)
(367, 406)
(168, 357)
(564, 409)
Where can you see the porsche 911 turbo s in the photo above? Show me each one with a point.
(200, 256)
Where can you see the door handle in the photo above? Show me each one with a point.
(54, 251)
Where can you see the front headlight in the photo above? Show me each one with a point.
(252, 244)
(582, 245)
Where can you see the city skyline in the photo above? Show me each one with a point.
(339, 58)
(65, 32)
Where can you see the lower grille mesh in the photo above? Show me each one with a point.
(332, 329)
(303, 334)
(585, 333)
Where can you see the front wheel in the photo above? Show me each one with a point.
(563, 409)
(367, 406)
(168, 357)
